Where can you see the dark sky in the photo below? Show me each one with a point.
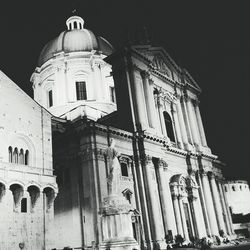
(209, 38)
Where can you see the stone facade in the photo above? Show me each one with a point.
(27, 184)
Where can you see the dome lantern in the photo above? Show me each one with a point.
(75, 22)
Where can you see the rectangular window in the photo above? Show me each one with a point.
(50, 98)
(124, 169)
(81, 92)
(112, 94)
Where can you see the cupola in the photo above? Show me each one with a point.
(75, 22)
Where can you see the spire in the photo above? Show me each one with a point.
(146, 37)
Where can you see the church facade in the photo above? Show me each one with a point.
(86, 94)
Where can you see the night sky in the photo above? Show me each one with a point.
(211, 39)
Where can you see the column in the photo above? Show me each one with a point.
(166, 200)
(138, 99)
(209, 204)
(177, 126)
(224, 209)
(149, 99)
(217, 204)
(200, 124)
(182, 124)
(155, 212)
(183, 218)
(177, 214)
(192, 122)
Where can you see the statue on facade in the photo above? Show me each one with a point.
(114, 169)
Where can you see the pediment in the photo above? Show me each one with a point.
(159, 64)
(158, 59)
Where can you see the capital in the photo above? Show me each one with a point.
(147, 159)
(159, 100)
(192, 198)
(162, 164)
(136, 67)
(203, 172)
(173, 107)
(174, 196)
(211, 175)
(144, 74)
(195, 102)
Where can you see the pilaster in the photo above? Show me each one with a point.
(193, 126)
(209, 204)
(200, 124)
(217, 204)
(165, 197)
(155, 213)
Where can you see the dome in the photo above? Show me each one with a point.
(75, 39)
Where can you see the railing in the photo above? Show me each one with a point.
(24, 168)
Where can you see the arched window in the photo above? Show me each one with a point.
(10, 154)
(24, 205)
(233, 187)
(21, 156)
(26, 157)
(124, 169)
(50, 98)
(15, 156)
(169, 126)
(112, 93)
(81, 92)
(75, 25)
(225, 189)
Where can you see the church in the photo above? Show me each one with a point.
(53, 158)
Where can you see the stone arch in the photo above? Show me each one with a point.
(20, 183)
(2, 189)
(182, 185)
(17, 190)
(50, 195)
(34, 191)
(178, 184)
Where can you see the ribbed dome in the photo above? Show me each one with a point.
(76, 38)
